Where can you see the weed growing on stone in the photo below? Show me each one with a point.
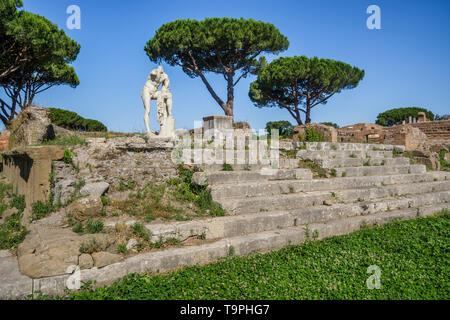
(122, 248)
(18, 202)
(140, 231)
(314, 167)
(227, 167)
(41, 209)
(78, 228)
(67, 156)
(94, 226)
(178, 198)
(90, 246)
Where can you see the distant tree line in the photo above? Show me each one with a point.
(398, 115)
(72, 121)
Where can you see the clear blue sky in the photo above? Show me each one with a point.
(406, 62)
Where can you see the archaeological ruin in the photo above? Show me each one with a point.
(108, 206)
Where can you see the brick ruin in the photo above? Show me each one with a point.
(418, 135)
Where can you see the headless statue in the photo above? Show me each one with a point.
(164, 103)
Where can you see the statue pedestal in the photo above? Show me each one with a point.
(167, 128)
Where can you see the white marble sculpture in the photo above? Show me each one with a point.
(150, 92)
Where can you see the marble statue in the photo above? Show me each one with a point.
(163, 98)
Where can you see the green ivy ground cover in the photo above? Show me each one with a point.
(413, 257)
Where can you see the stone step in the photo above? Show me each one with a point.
(336, 146)
(379, 170)
(284, 163)
(331, 154)
(274, 188)
(236, 167)
(315, 198)
(174, 258)
(232, 226)
(355, 162)
(263, 175)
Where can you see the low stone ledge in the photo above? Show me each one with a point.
(36, 152)
(170, 259)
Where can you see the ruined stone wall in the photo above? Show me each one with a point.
(125, 160)
(435, 130)
(407, 135)
(361, 133)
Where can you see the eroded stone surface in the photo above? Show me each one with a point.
(85, 208)
(32, 126)
(85, 261)
(95, 188)
(12, 283)
(48, 251)
(102, 259)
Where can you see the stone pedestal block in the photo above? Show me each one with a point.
(29, 168)
(218, 122)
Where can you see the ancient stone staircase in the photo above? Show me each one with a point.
(271, 208)
(367, 185)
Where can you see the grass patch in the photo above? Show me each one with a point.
(72, 140)
(179, 198)
(94, 226)
(41, 209)
(412, 255)
(91, 246)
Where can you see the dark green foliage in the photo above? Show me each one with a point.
(441, 117)
(225, 46)
(299, 84)
(41, 209)
(285, 128)
(413, 256)
(317, 171)
(67, 156)
(18, 202)
(5, 190)
(227, 167)
(78, 228)
(331, 124)
(105, 200)
(140, 231)
(312, 135)
(122, 248)
(397, 115)
(94, 226)
(12, 232)
(35, 55)
(72, 121)
(200, 195)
